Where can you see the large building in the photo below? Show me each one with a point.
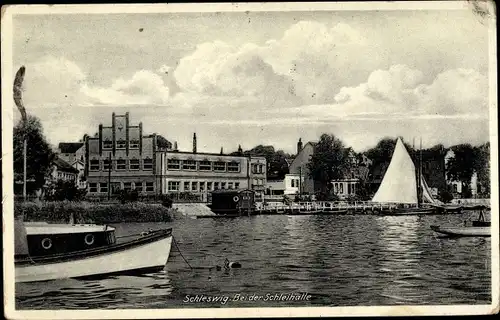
(121, 156)
(299, 166)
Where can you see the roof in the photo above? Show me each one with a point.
(63, 165)
(231, 191)
(213, 154)
(70, 147)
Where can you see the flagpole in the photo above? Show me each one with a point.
(25, 148)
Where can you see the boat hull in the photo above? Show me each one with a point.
(147, 254)
(463, 231)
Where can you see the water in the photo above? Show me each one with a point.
(337, 260)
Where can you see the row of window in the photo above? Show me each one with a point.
(121, 164)
(204, 165)
(295, 183)
(139, 186)
(66, 176)
(120, 144)
(200, 186)
(258, 182)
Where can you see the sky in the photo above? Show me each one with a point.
(249, 78)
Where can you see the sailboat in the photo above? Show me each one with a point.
(403, 188)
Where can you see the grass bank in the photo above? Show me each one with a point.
(90, 212)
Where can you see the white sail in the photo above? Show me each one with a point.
(399, 184)
(426, 193)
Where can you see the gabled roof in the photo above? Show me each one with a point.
(63, 165)
(70, 147)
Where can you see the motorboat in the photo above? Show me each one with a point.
(479, 228)
(56, 251)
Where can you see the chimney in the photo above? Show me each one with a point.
(240, 150)
(299, 146)
(221, 150)
(175, 146)
(194, 142)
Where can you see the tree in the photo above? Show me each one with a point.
(64, 190)
(482, 167)
(461, 166)
(39, 154)
(328, 162)
(277, 166)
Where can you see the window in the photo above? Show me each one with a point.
(293, 183)
(150, 186)
(134, 144)
(261, 168)
(341, 188)
(186, 185)
(236, 185)
(121, 164)
(194, 186)
(353, 188)
(233, 166)
(455, 188)
(254, 182)
(105, 164)
(230, 185)
(93, 187)
(219, 166)
(173, 185)
(103, 187)
(107, 144)
(202, 186)
(138, 186)
(94, 165)
(223, 185)
(205, 165)
(216, 186)
(147, 164)
(127, 186)
(189, 165)
(134, 164)
(348, 188)
(121, 144)
(209, 186)
(173, 164)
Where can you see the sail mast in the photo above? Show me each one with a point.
(419, 187)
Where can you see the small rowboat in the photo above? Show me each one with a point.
(463, 231)
(76, 251)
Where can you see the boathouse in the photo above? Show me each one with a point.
(233, 202)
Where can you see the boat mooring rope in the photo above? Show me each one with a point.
(179, 250)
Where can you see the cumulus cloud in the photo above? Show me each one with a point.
(144, 87)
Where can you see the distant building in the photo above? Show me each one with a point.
(456, 186)
(121, 156)
(200, 173)
(74, 154)
(288, 186)
(61, 170)
(299, 166)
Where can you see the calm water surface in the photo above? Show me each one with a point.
(338, 260)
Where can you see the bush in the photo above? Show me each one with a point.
(64, 190)
(167, 201)
(89, 212)
(445, 196)
(128, 196)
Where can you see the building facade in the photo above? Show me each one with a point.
(299, 166)
(120, 157)
(201, 173)
(290, 185)
(62, 170)
(74, 154)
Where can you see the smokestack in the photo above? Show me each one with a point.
(175, 146)
(221, 150)
(194, 142)
(240, 150)
(299, 146)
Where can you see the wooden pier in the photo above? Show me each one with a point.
(323, 207)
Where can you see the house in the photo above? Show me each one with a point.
(299, 166)
(74, 154)
(61, 170)
(290, 185)
(456, 186)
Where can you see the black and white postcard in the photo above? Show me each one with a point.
(250, 160)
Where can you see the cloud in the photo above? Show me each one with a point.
(144, 87)
(53, 81)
